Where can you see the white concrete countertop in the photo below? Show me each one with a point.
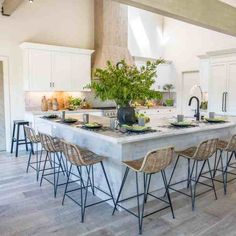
(162, 128)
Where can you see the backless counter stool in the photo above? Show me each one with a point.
(52, 146)
(84, 159)
(34, 141)
(154, 162)
(17, 124)
(200, 154)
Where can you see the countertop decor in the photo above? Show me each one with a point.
(125, 83)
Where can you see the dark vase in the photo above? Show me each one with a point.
(126, 115)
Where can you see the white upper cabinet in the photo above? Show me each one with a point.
(54, 68)
(39, 69)
(61, 71)
(217, 88)
(222, 83)
(80, 77)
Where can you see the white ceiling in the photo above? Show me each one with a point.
(230, 2)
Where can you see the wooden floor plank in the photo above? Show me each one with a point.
(28, 209)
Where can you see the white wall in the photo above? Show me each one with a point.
(145, 33)
(59, 22)
(184, 42)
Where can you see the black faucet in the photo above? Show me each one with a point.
(197, 113)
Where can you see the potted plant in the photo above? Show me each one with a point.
(74, 102)
(168, 88)
(125, 83)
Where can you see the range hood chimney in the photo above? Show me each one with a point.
(111, 33)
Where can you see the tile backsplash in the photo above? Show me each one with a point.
(33, 99)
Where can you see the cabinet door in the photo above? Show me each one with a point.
(231, 92)
(217, 87)
(39, 70)
(61, 71)
(80, 71)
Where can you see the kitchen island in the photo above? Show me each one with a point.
(117, 146)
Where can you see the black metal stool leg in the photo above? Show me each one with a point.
(93, 179)
(39, 166)
(108, 184)
(54, 175)
(68, 179)
(189, 169)
(17, 139)
(138, 203)
(13, 137)
(215, 165)
(148, 186)
(80, 174)
(191, 187)
(121, 188)
(212, 180)
(172, 173)
(145, 183)
(225, 172)
(167, 191)
(44, 166)
(86, 194)
(91, 183)
(195, 187)
(29, 160)
(25, 139)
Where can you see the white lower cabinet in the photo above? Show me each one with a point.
(54, 68)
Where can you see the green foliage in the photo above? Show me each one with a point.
(168, 88)
(74, 101)
(124, 83)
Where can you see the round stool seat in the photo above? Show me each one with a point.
(21, 122)
(187, 153)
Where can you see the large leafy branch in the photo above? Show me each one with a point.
(124, 83)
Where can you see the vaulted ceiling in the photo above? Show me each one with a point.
(212, 14)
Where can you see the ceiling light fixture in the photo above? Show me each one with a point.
(31, 1)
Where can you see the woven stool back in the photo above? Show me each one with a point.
(157, 160)
(72, 153)
(31, 135)
(206, 149)
(231, 147)
(49, 143)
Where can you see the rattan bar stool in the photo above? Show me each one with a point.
(154, 162)
(53, 148)
(84, 159)
(230, 148)
(200, 154)
(34, 141)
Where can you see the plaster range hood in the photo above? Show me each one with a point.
(111, 33)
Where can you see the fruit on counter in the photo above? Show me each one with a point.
(136, 128)
(139, 115)
(149, 104)
(73, 102)
(136, 104)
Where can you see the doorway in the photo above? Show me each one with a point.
(190, 87)
(2, 111)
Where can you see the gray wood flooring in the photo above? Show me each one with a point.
(27, 209)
